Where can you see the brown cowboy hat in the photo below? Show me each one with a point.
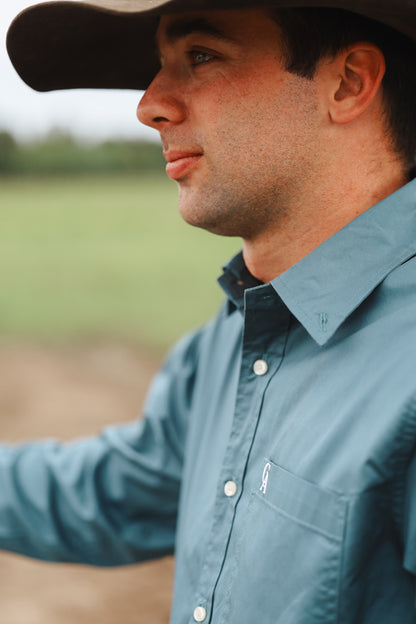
(110, 43)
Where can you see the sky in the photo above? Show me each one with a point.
(87, 114)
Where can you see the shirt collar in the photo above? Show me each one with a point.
(235, 280)
(326, 286)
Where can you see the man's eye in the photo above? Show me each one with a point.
(198, 58)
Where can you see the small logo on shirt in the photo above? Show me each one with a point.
(265, 478)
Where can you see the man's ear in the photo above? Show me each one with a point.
(359, 71)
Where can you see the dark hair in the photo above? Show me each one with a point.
(310, 34)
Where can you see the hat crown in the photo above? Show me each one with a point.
(96, 43)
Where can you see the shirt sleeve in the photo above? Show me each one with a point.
(405, 490)
(409, 532)
(105, 500)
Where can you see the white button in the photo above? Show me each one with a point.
(260, 367)
(200, 614)
(230, 488)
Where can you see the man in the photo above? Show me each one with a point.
(277, 453)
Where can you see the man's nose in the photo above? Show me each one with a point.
(161, 105)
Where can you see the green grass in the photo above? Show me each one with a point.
(106, 256)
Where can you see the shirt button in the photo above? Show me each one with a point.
(260, 367)
(230, 488)
(200, 614)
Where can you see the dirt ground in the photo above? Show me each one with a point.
(66, 392)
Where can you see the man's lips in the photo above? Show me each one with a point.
(180, 163)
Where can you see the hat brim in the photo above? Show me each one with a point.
(110, 43)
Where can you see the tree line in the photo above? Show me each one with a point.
(60, 154)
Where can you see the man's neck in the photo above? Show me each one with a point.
(320, 215)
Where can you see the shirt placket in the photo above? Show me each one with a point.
(266, 326)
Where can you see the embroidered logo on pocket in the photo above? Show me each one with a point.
(265, 478)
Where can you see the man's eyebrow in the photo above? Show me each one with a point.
(184, 27)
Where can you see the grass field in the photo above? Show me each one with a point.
(86, 257)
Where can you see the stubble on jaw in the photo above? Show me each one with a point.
(252, 198)
(226, 213)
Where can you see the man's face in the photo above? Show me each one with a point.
(239, 132)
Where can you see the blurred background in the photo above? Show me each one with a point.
(98, 278)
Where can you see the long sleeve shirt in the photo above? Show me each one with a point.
(276, 457)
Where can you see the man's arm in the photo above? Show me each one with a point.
(106, 500)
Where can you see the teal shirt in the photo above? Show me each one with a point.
(277, 456)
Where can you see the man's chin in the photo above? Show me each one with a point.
(197, 219)
(208, 219)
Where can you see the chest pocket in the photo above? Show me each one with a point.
(288, 553)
